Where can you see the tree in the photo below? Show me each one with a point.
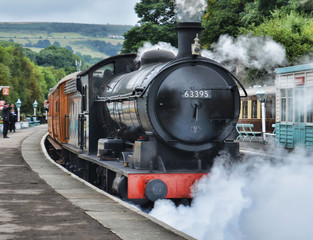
(50, 79)
(56, 43)
(156, 12)
(255, 12)
(228, 16)
(221, 17)
(157, 24)
(304, 6)
(27, 81)
(292, 30)
(58, 57)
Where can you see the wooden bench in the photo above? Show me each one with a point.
(245, 132)
(32, 121)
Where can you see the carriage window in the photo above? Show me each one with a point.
(100, 75)
(254, 109)
(57, 108)
(244, 109)
(309, 117)
(270, 108)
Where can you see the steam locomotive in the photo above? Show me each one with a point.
(148, 129)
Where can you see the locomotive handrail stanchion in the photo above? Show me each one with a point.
(65, 127)
(81, 131)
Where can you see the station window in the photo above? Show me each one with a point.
(254, 109)
(244, 109)
(299, 105)
(283, 105)
(286, 106)
(100, 75)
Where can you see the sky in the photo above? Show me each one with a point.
(70, 11)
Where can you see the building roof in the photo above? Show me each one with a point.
(297, 68)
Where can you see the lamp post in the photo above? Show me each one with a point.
(262, 96)
(18, 105)
(35, 104)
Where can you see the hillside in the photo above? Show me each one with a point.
(98, 41)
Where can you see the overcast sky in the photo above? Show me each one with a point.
(73, 11)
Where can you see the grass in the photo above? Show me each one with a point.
(71, 39)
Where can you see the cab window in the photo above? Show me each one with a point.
(100, 75)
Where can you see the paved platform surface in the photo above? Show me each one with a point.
(65, 208)
(30, 208)
(259, 148)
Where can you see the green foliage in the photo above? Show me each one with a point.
(304, 7)
(30, 54)
(58, 57)
(156, 12)
(27, 81)
(228, 16)
(50, 77)
(39, 44)
(157, 24)
(102, 46)
(148, 32)
(88, 60)
(292, 30)
(222, 17)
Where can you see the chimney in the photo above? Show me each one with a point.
(187, 32)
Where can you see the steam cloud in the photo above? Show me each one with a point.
(252, 52)
(190, 10)
(160, 45)
(257, 199)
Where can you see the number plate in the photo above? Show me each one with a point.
(196, 94)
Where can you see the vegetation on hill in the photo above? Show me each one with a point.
(90, 41)
(90, 30)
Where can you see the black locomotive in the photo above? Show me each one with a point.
(149, 128)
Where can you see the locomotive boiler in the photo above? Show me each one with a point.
(147, 128)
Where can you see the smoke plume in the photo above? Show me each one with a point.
(255, 199)
(160, 45)
(251, 52)
(190, 10)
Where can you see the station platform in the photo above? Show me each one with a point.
(259, 148)
(41, 200)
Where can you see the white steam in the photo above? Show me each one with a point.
(251, 52)
(255, 199)
(160, 45)
(190, 10)
(305, 59)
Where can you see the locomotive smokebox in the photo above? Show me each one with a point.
(187, 32)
